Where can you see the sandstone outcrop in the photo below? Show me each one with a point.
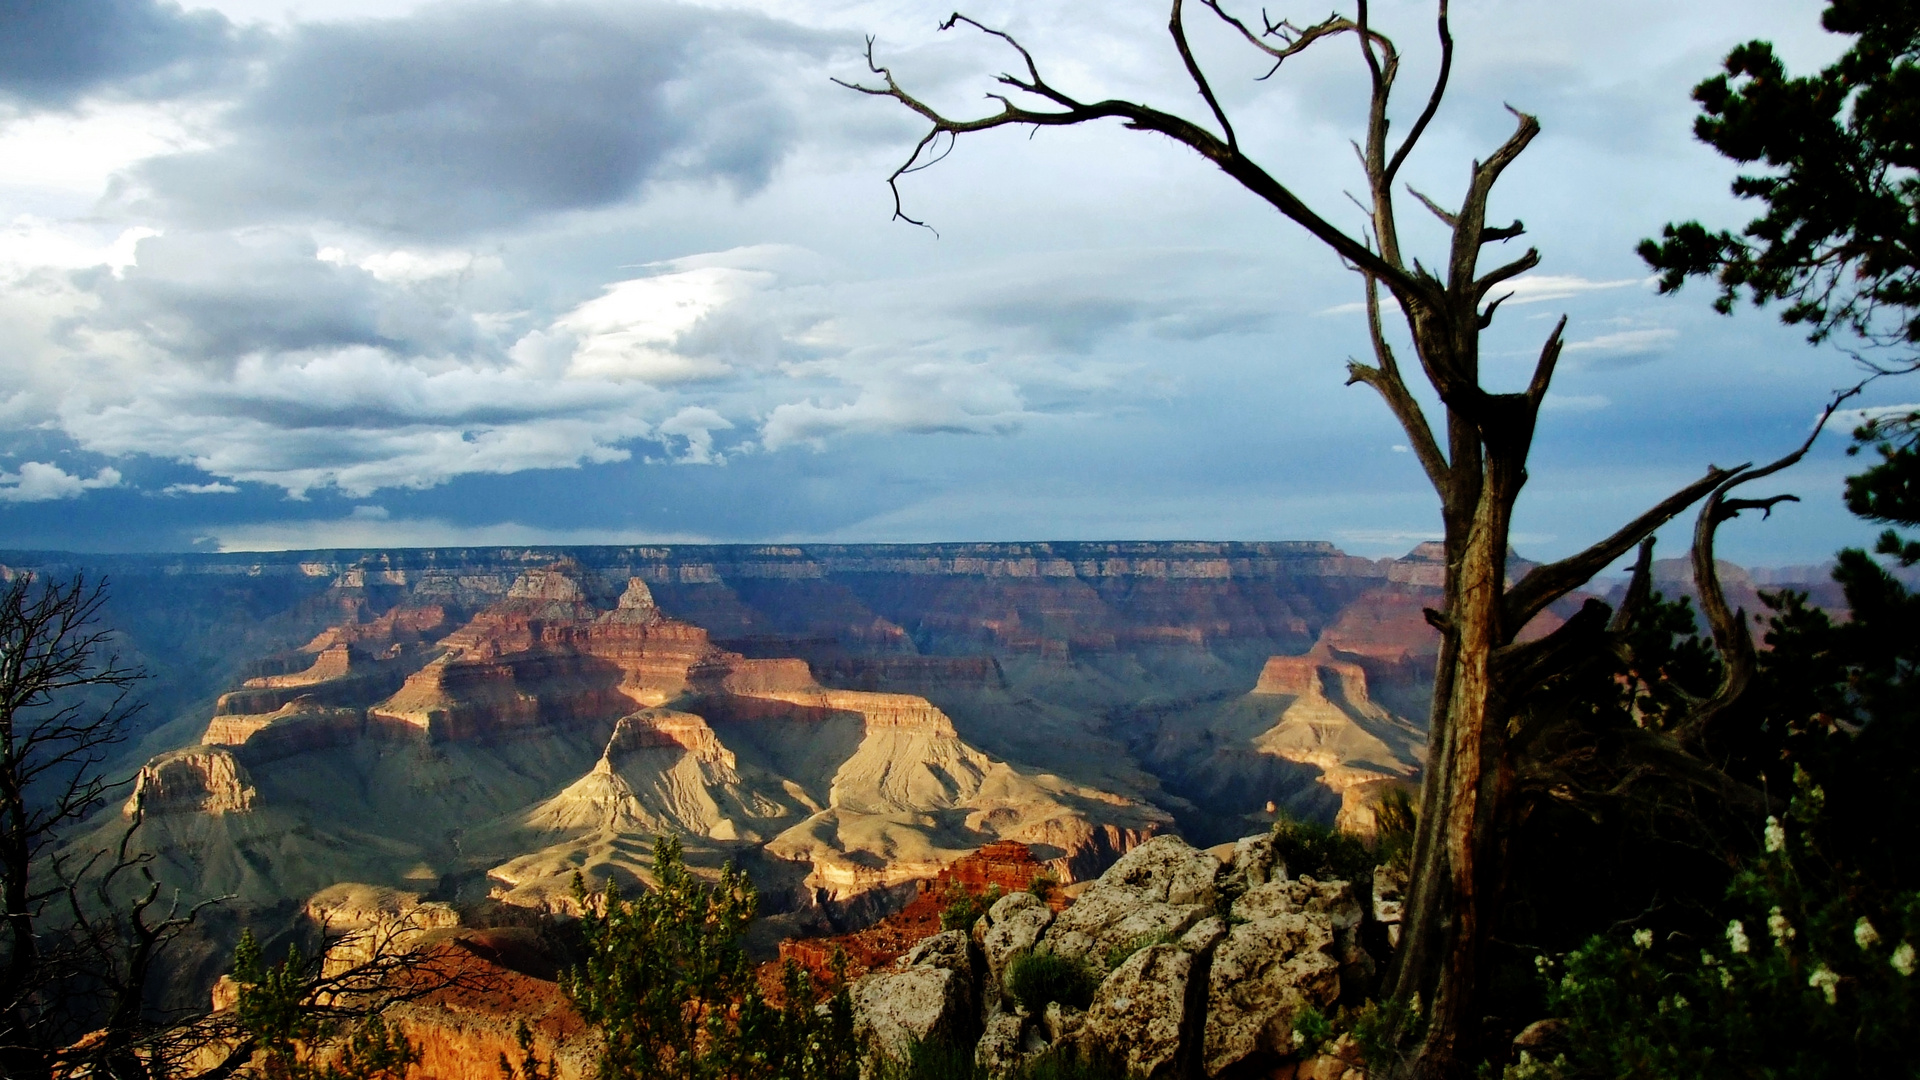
(199, 780)
(366, 922)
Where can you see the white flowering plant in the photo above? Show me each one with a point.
(1812, 978)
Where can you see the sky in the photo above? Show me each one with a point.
(347, 273)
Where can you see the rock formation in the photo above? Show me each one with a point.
(565, 724)
(1203, 967)
(194, 781)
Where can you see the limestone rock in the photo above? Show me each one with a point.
(1205, 934)
(1334, 899)
(1263, 974)
(1165, 870)
(1062, 1023)
(998, 1053)
(1155, 893)
(1012, 926)
(928, 998)
(1254, 861)
(1139, 1011)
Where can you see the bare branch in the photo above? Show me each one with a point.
(1473, 212)
(1139, 117)
(1176, 27)
(1433, 103)
(1293, 40)
(1448, 217)
(1549, 357)
(1639, 588)
(1728, 626)
(1549, 581)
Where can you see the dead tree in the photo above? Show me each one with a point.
(63, 707)
(1475, 459)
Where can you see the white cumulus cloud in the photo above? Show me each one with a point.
(39, 481)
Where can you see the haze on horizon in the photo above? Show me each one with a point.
(355, 274)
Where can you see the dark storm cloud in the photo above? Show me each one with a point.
(53, 52)
(464, 118)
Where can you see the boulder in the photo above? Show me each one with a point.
(1062, 1023)
(1254, 862)
(1334, 899)
(1154, 894)
(1264, 973)
(1011, 927)
(1164, 870)
(1205, 934)
(1139, 1012)
(897, 1009)
(927, 997)
(998, 1053)
(1100, 924)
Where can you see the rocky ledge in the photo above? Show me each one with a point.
(1199, 966)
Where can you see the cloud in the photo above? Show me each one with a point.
(1626, 342)
(696, 425)
(464, 118)
(923, 399)
(633, 329)
(38, 481)
(1527, 289)
(199, 489)
(1856, 417)
(1534, 288)
(360, 420)
(53, 52)
(366, 531)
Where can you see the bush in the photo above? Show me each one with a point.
(1804, 982)
(964, 908)
(935, 1060)
(1310, 848)
(1043, 885)
(1036, 978)
(666, 979)
(1395, 820)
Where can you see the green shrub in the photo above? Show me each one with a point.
(1043, 885)
(1311, 1029)
(1395, 820)
(1316, 850)
(936, 1059)
(1808, 980)
(1036, 978)
(665, 977)
(964, 908)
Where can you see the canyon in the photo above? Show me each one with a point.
(476, 726)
